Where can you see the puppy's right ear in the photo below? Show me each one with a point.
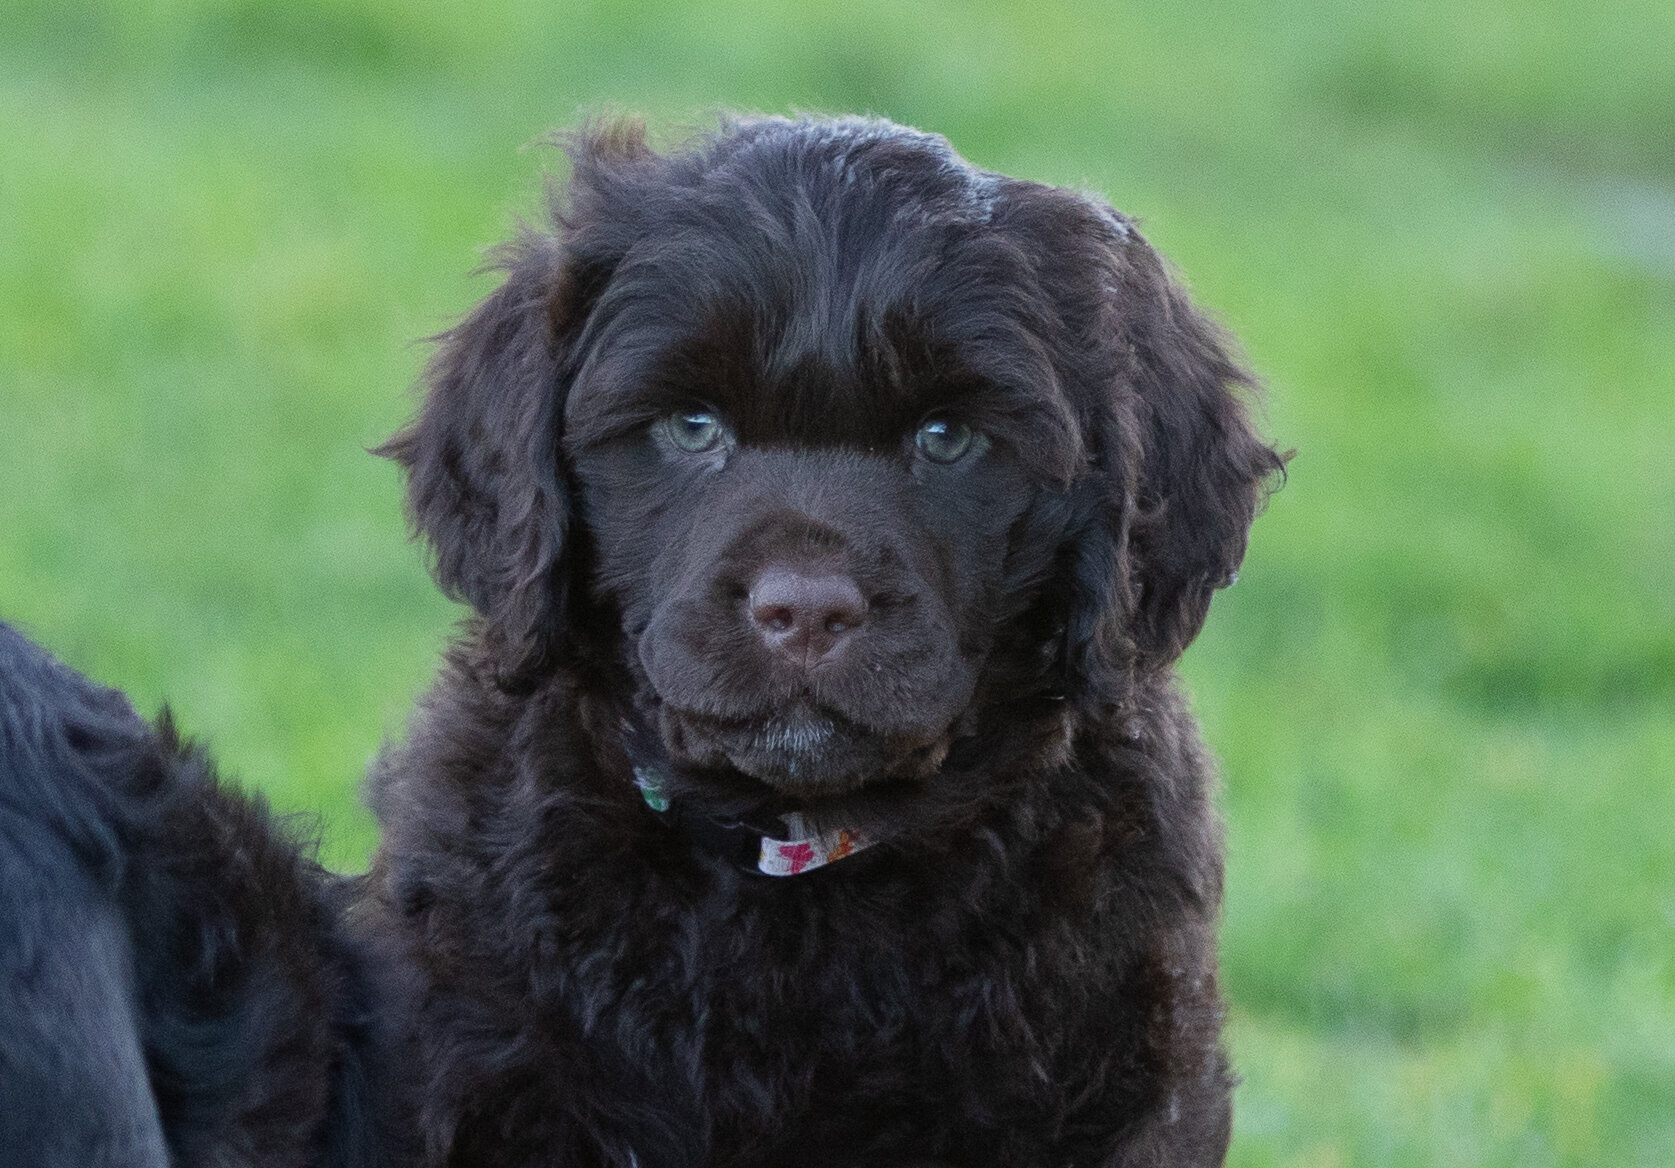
(485, 486)
(486, 482)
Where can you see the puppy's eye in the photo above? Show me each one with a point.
(695, 431)
(943, 441)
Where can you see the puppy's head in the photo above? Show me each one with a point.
(837, 447)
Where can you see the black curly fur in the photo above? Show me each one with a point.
(1023, 971)
(175, 988)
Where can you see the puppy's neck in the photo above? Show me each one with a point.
(759, 841)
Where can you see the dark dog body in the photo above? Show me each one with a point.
(811, 478)
(1029, 981)
(175, 988)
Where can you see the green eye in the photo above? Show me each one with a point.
(695, 431)
(943, 441)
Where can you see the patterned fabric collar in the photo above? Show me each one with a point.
(778, 845)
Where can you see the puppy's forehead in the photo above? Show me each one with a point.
(823, 289)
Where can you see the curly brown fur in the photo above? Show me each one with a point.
(174, 986)
(808, 468)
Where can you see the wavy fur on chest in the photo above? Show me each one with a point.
(1003, 983)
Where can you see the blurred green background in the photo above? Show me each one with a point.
(1444, 690)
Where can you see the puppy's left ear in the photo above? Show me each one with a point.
(486, 483)
(1203, 470)
(1178, 471)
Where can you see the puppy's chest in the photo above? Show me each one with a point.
(777, 963)
(785, 1001)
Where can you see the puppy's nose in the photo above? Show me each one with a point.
(805, 616)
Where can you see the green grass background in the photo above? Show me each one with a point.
(1444, 690)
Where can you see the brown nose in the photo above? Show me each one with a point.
(804, 616)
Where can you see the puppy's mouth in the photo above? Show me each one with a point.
(803, 750)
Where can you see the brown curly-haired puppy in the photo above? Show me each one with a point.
(812, 785)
